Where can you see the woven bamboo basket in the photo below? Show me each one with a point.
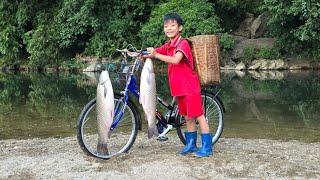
(206, 55)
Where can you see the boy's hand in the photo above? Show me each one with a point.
(151, 53)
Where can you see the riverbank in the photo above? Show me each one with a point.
(62, 158)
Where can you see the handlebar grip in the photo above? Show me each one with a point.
(144, 52)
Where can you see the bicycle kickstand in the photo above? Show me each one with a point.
(162, 136)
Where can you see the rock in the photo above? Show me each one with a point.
(259, 26)
(297, 63)
(264, 64)
(280, 64)
(305, 65)
(255, 65)
(244, 27)
(240, 66)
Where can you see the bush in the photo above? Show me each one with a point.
(226, 42)
(268, 53)
(198, 15)
(251, 53)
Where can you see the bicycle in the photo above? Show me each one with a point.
(127, 119)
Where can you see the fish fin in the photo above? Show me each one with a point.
(105, 91)
(152, 131)
(141, 99)
(110, 131)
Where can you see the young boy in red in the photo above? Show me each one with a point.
(184, 84)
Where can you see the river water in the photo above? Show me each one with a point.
(271, 105)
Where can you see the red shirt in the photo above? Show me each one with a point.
(183, 79)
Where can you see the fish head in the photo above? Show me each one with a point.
(104, 77)
(148, 64)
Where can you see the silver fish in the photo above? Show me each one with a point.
(105, 110)
(148, 97)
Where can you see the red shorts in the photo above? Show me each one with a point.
(190, 105)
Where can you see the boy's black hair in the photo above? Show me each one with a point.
(173, 16)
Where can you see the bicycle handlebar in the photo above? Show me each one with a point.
(135, 53)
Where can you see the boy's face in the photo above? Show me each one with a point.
(171, 28)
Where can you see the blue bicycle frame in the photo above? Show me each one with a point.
(131, 86)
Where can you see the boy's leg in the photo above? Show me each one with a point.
(191, 124)
(204, 127)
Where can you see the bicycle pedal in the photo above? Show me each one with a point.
(162, 138)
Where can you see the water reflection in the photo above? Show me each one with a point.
(283, 106)
(276, 105)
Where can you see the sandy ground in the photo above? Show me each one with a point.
(62, 158)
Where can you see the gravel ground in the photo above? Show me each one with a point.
(62, 158)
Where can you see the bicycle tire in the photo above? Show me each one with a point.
(87, 133)
(216, 126)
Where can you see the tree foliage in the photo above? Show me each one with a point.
(48, 33)
(296, 24)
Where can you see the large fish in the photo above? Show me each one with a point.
(105, 110)
(148, 97)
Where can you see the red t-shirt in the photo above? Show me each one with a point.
(183, 79)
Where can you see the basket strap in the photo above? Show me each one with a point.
(186, 60)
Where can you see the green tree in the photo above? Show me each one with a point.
(118, 24)
(296, 24)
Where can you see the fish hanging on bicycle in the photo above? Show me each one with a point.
(105, 111)
(148, 97)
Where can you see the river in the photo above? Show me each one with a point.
(268, 105)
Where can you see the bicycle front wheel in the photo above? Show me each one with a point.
(213, 112)
(122, 136)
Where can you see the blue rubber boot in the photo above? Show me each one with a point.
(191, 141)
(206, 149)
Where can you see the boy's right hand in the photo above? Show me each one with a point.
(151, 53)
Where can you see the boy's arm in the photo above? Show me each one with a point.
(175, 59)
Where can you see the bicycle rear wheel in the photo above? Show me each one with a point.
(122, 136)
(213, 112)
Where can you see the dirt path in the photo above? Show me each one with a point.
(61, 158)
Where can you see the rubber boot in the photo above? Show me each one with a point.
(206, 149)
(191, 143)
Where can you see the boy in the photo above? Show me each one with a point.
(184, 84)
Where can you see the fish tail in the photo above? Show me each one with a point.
(152, 131)
(102, 149)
